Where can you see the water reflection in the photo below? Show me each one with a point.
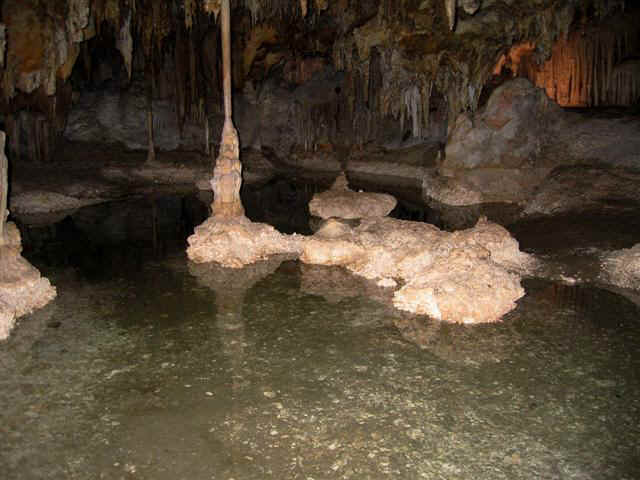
(166, 369)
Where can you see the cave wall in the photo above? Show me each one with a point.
(313, 74)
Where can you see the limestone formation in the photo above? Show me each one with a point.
(227, 176)
(228, 237)
(238, 242)
(493, 157)
(622, 267)
(470, 276)
(22, 288)
(341, 202)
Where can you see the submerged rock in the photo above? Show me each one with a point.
(22, 288)
(471, 276)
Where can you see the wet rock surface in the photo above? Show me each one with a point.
(22, 288)
(238, 241)
(341, 202)
(467, 276)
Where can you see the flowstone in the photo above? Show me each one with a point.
(237, 242)
(22, 288)
(470, 276)
(339, 201)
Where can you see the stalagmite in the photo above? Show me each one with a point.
(227, 174)
(22, 288)
(124, 43)
(228, 237)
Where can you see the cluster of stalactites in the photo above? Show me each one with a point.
(588, 68)
(382, 86)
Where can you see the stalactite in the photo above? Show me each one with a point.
(413, 109)
(124, 43)
(584, 68)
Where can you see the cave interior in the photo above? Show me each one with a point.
(517, 121)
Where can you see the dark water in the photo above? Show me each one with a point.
(147, 366)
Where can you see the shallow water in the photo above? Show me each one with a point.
(160, 369)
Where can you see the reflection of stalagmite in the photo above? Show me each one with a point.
(230, 286)
(151, 154)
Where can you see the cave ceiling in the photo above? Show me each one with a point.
(394, 56)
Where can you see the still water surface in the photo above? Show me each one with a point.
(149, 367)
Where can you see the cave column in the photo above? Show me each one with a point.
(227, 174)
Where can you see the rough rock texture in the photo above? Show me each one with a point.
(238, 242)
(622, 267)
(464, 286)
(227, 176)
(467, 276)
(341, 202)
(494, 155)
(22, 289)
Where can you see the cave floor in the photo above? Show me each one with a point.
(140, 370)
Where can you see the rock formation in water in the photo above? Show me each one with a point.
(228, 237)
(22, 288)
(339, 201)
(470, 276)
(239, 242)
